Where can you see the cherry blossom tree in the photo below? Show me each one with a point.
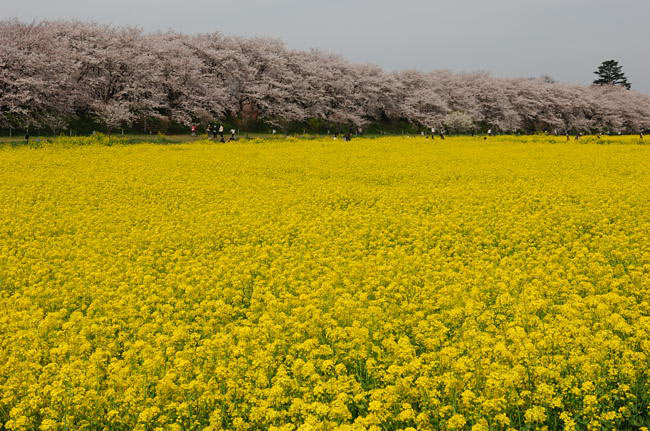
(54, 72)
(35, 90)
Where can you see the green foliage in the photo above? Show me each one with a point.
(610, 73)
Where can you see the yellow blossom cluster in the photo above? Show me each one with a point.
(293, 285)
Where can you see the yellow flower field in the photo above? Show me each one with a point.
(379, 284)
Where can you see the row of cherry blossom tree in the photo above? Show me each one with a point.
(54, 73)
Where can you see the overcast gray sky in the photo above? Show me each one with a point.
(565, 39)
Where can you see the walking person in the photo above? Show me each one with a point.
(232, 135)
(27, 137)
(221, 133)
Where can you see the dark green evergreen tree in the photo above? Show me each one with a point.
(610, 73)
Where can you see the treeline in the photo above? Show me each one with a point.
(58, 75)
